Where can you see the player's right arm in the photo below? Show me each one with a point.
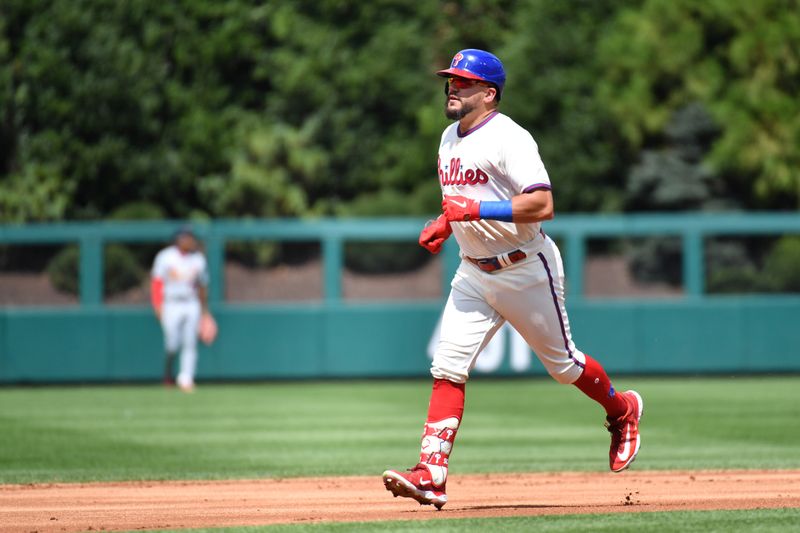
(157, 284)
(157, 295)
(434, 234)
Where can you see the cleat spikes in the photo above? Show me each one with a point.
(413, 487)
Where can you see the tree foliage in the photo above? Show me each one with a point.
(553, 68)
(740, 60)
(230, 108)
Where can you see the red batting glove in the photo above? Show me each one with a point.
(461, 209)
(434, 234)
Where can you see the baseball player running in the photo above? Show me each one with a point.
(178, 294)
(496, 192)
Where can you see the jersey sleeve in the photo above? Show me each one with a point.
(523, 164)
(159, 270)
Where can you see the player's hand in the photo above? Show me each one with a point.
(434, 234)
(208, 328)
(461, 209)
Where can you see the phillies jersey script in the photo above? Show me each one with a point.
(495, 160)
(180, 273)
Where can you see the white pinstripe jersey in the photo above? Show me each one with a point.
(495, 160)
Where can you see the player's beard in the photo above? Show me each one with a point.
(457, 114)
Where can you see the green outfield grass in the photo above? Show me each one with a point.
(106, 433)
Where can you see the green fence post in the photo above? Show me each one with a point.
(91, 269)
(215, 254)
(693, 270)
(332, 257)
(576, 257)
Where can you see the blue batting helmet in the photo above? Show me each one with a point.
(476, 64)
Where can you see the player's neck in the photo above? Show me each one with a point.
(473, 119)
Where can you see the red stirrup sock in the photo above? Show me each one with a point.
(595, 384)
(447, 400)
(439, 433)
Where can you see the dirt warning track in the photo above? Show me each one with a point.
(193, 504)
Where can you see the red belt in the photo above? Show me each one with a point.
(490, 264)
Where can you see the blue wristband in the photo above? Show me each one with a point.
(497, 211)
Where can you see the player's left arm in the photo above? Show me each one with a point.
(208, 325)
(534, 206)
(202, 295)
(528, 207)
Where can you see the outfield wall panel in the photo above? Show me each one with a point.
(682, 337)
(771, 334)
(378, 340)
(610, 333)
(57, 345)
(261, 342)
(391, 340)
(135, 345)
(5, 356)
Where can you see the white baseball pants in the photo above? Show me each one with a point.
(180, 321)
(529, 295)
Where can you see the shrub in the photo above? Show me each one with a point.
(253, 254)
(63, 270)
(782, 266)
(733, 280)
(121, 271)
(371, 257)
(138, 211)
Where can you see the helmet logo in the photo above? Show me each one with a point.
(456, 58)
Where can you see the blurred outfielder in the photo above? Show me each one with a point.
(496, 192)
(178, 293)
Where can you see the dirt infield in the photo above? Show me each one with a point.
(191, 504)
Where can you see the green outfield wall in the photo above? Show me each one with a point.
(337, 338)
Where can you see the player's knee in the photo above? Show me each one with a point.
(455, 377)
(565, 374)
(172, 346)
(452, 362)
(449, 366)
